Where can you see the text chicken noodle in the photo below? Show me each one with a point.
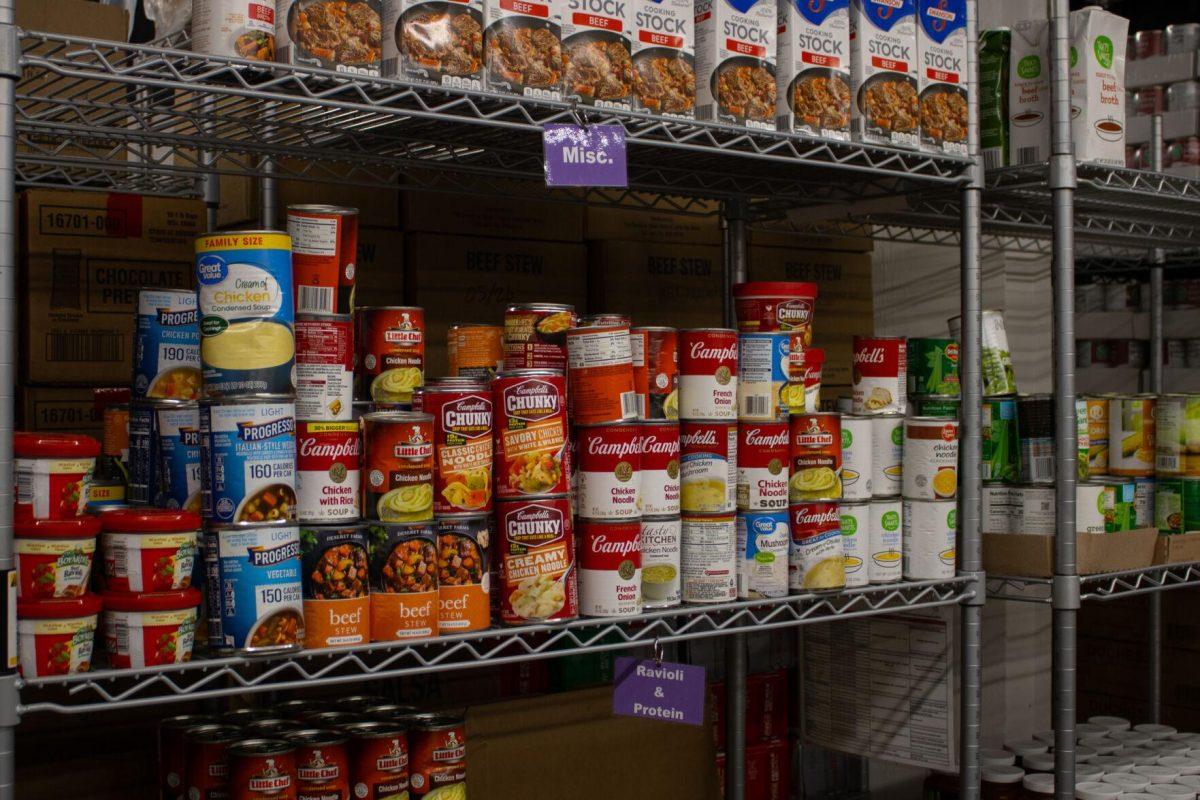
(531, 433)
(463, 431)
(343, 35)
(248, 460)
(463, 560)
(260, 588)
(398, 484)
(536, 550)
(390, 342)
(438, 749)
(404, 581)
(336, 584)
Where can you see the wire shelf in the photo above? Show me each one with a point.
(219, 677)
(1106, 586)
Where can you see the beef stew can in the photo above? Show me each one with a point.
(883, 73)
(708, 359)
(532, 451)
(166, 345)
(260, 591)
(262, 768)
(324, 367)
(438, 753)
(248, 460)
(535, 334)
(661, 359)
(600, 372)
(536, 551)
(464, 547)
(325, 238)
(597, 67)
(434, 43)
(234, 28)
(813, 77)
(398, 466)
(463, 432)
(663, 47)
(206, 758)
(762, 464)
(379, 759)
(475, 351)
(610, 471)
(942, 76)
(336, 585)
(322, 764)
(390, 342)
(404, 581)
(735, 62)
(660, 540)
(660, 468)
(345, 36)
(610, 568)
(708, 467)
(328, 471)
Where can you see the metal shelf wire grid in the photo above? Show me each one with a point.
(1106, 586)
(219, 677)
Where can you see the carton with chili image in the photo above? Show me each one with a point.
(404, 581)
(464, 602)
(334, 569)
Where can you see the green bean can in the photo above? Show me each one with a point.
(935, 405)
(1191, 503)
(994, 48)
(1121, 513)
(998, 377)
(1168, 505)
(1000, 453)
(933, 367)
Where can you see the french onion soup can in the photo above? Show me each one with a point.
(379, 759)
(462, 443)
(610, 472)
(475, 350)
(660, 561)
(610, 568)
(661, 370)
(166, 345)
(404, 585)
(532, 445)
(816, 559)
(248, 459)
(858, 456)
(708, 558)
(660, 468)
(335, 571)
(464, 557)
(536, 551)
(390, 342)
(708, 467)
(328, 471)
(763, 363)
(438, 750)
(600, 372)
(260, 589)
(322, 764)
(708, 374)
(398, 466)
(324, 367)
(816, 456)
(763, 455)
(535, 335)
(879, 376)
(262, 768)
(763, 539)
(324, 248)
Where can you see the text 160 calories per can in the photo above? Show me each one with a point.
(248, 460)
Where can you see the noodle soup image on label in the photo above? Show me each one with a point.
(398, 465)
(929, 534)
(335, 572)
(536, 550)
(762, 541)
(462, 430)
(610, 568)
(532, 446)
(166, 345)
(814, 68)
(660, 468)
(762, 464)
(930, 458)
(262, 607)
(816, 559)
(884, 546)
(391, 352)
(660, 561)
(855, 520)
(708, 467)
(887, 454)
(609, 470)
(708, 373)
(858, 464)
(535, 334)
(880, 377)
(763, 360)
(404, 585)
(816, 456)
(179, 448)
(708, 559)
(247, 313)
(464, 585)
(248, 460)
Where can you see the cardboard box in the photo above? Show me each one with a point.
(1032, 556)
(74, 18)
(655, 224)
(1177, 548)
(379, 268)
(241, 203)
(658, 283)
(767, 235)
(516, 217)
(74, 410)
(84, 255)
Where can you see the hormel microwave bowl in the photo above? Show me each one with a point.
(814, 68)
(54, 557)
(149, 549)
(341, 35)
(166, 347)
(536, 550)
(52, 472)
(663, 44)
(942, 77)
(1098, 40)
(522, 47)
(57, 637)
(597, 70)
(248, 460)
(438, 43)
(735, 62)
(883, 72)
(246, 313)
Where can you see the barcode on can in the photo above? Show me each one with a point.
(318, 299)
(631, 405)
(1029, 155)
(755, 406)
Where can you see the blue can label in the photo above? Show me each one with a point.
(248, 460)
(763, 375)
(179, 450)
(261, 605)
(166, 345)
(145, 463)
(763, 538)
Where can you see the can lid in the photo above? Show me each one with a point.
(314, 736)
(70, 528)
(1003, 774)
(260, 747)
(85, 605)
(150, 520)
(185, 721)
(432, 721)
(376, 729)
(213, 733)
(175, 600)
(63, 445)
(320, 208)
(788, 288)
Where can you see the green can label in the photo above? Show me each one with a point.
(1001, 458)
(1168, 506)
(935, 406)
(933, 366)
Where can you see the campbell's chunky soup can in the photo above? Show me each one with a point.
(776, 306)
(659, 372)
(708, 467)
(610, 568)
(438, 748)
(536, 551)
(879, 376)
(52, 472)
(404, 581)
(325, 367)
(474, 350)
(817, 558)
(708, 374)
(248, 459)
(336, 582)
(260, 589)
(149, 549)
(322, 764)
(207, 760)
(610, 471)
(398, 466)
(660, 561)
(464, 586)
(54, 556)
(178, 432)
(390, 341)
(324, 249)
(463, 430)
(532, 450)
(379, 759)
(57, 637)
(149, 629)
(708, 558)
(660, 468)
(166, 345)
(262, 768)
(763, 456)
(816, 456)
(328, 471)
(535, 335)
(600, 371)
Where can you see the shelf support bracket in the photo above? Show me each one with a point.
(977, 588)
(1065, 593)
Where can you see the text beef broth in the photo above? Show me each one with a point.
(735, 62)
(942, 80)
(663, 44)
(522, 47)
(814, 68)
(597, 70)
(883, 72)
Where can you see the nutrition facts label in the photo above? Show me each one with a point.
(883, 687)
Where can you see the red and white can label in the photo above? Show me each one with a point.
(610, 568)
(536, 551)
(328, 471)
(764, 452)
(708, 374)
(324, 368)
(816, 559)
(660, 468)
(880, 375)
(708, 467)
(610, 472)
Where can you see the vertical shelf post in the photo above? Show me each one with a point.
(1154, 636)
(268, 203)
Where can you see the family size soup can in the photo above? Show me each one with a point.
(708, 374)
(660, 468)
(610, 568)
(932, 366)
(816, 456)
(661, 561)
(879, 378)
(708, 558)
(763, 455)
(610, 472)
(166, 345)
(178, 433)
(762, 376)
(438, 755)
(536, 551)
(398, 466)
(884, 546)
(1001, 460)
(262, 768)
(247, 313)
(336, 585)
(1091, 424)
(887, 454)
(463, 431)
(600, 372)
(532, 450)
(858, 456)
(390, 342)
(464, 546)
(930, 458)
(322, 764)
(145, 451)
(660, 370)
(763, 539)
(324, 249)
(248, 459)
(1035, 428)
(404, 585)
(1131, 435)
(854, 517)
(816, 560)
(535, 335)
(929, 535)
(262, 606)
(475, 350)
(379, 759)
(708, 467)
(328, 471)
(324, 367)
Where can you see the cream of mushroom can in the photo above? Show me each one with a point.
(884, 546)
(930, 458)
(856, 540)
(887, 454)
(708, 559)
(1036, 513)
(660, 561)
(858, 456)
(929, 539)
(999, 507)
(763, 540)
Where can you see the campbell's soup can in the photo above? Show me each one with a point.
(438, 748)
(606, 319)
(763, 455)
(535, 335)
(638, 339)
(600, 371)
(324, 367)
(398, 465)
(661, 360)
(475, 350)
(763, 376)
(324, 247)
(536, 551)
(462, 443)
(390, 341)
(379, 759)
(817, 560)
(708, 373)
(404, 585)
(532, 445)
(610, 568)
(708, 467)
(814, 362)
(879, 377)
(858, 456)
(464, 586)
(206, 749)
(816, 456)
(609, 468)
(262, 768)
(708, 558)
(322, 764)
(763, 539)
(328, 471)
(660, 561)
(660, 468)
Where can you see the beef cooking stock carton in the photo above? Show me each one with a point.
(883, 72)
(942, 79)
(597, 66)
(814, 67)
(522, 47)
(735, 62)
(663, 45)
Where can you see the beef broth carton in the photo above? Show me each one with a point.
(663, 44)
(597, 69)
(1098, 40)
(942, 77)
(814, 68)
(735, 62)
(1029, 91)
(522, 47)
(883, 72)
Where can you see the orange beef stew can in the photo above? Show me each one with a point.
(398, 466)
(475, 351)
(438, 748)
(531, 433)
(208, 760)
(262, 768)
(600, 372)
(324, 248)
(390, 342)
(404, 585)
(536, 550)
(172, 753)
(335, 573)
(462, 444)
(656, 350)
(379, 760)
(463, 551)
(535, 335)
(322, 764)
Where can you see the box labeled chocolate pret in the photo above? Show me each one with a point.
(883, 72)
(735, 62)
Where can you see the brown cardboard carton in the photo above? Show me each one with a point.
(766, 235)
(74, 18)
(656, 223)
(487, 214)
(84, 256)
(1032, 556)
(658, 283)
(46, 408)
(379, 267)
(1177, 548)
(241, 203)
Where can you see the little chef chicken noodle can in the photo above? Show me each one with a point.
(260, 589)
(531, 433)
(462, 411)
(178, 433)
(248, 460)
(328, 471)
(404, 585)
(858, 456)
(660, 361)
(609, 469)
(464, 585)
(324, 248)
(930, 527)
(708, 374)
(763, 455)
(600, 371)
(322, 764)
(438, 763)
(708, 559)
(884, 545)
(247, 313)
(708, 467)
(816, 558)
(334, 569)
(535, 336)
(379, 760)
(391, 352)
(816, 457)
(930, 458)
(762, 376)
(763, 539)
(166, 345)
(398, 466)
(610, 568)
(660, 561)
(879, 376)
(536, 550)
(262, 768)
(325, 367)
(660, 468)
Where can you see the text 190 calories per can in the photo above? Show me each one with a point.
(535, 335)
(660, 468)
(709, 559)
(248, 460)
(324, 367)
(166, 347)
(398, 466)
(708, 374)
(610, 471)
(531, 433)
(660, 561)
(324, 248)
(536, 550)
(261, 596)
(763, 456)
(610, 568)
(328, 471)
(391, 352)
(461, 409)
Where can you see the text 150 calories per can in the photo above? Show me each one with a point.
(260, 588)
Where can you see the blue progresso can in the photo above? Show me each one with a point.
(146, 481)
(262, 608)
(166, 345)
(179, 452)
(248, 460)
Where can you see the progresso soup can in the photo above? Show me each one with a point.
(247, 314)
(390, 342)
(248, 460)
(262, 607)
(404, 585)
(337, 610)
(145, 451)
(166, 345)
(179, 448)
